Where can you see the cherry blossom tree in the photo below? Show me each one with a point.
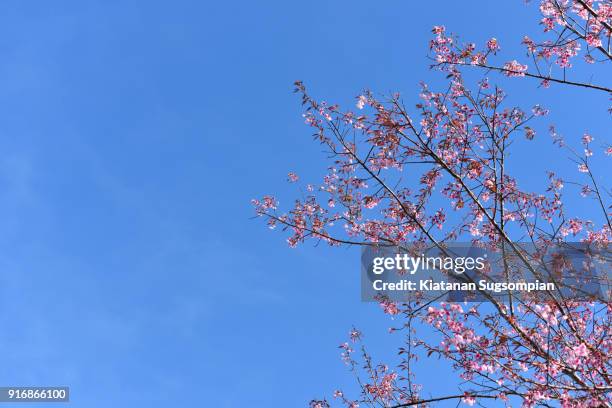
(438, 171)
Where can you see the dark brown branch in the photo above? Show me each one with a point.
(542, 77)
(449, 397)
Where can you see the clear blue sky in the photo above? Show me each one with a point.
(132, 137)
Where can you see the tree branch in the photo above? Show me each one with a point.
(542, 77)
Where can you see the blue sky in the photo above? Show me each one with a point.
(133, 136)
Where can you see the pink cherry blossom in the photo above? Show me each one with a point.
(492, 45)
(438, 29)
(515, 69)
(468, 400)
(445, 169)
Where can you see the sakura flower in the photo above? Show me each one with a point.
(492, 45)
(468, 400)
(574, 226)
(531, 46)
(361, 101)
(292, 177)
(515, 69)
(371, 202)
(548, 23)
(355, 335)
(267, 203)
(539, 111)
(581, 351)
(585, 191)
(593, 40)
(271, 223)
(389, 307)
